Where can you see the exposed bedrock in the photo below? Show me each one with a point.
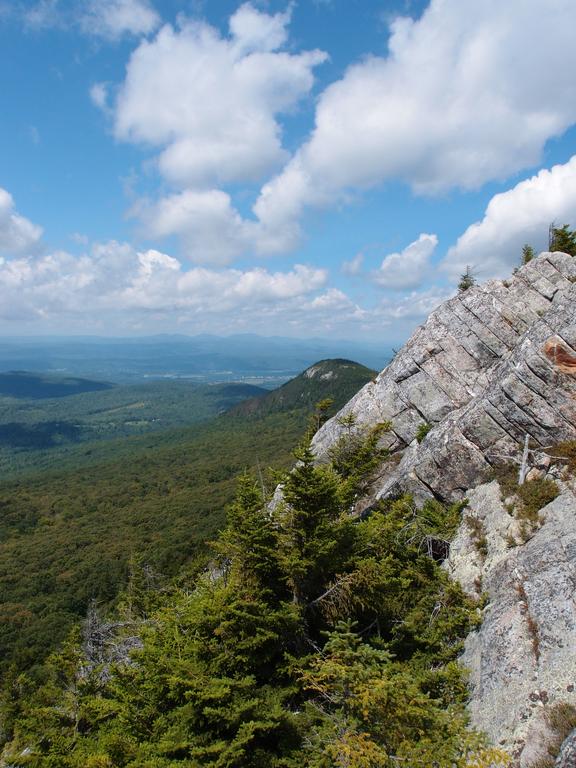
(489, 366)
(522, 660)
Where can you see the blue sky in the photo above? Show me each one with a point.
(322, 167)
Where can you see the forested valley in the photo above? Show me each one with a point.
(163, 606)
(304, 637)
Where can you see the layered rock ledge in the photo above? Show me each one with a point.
(493, 364)
(490, 367)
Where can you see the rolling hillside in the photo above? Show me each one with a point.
(68, 532)
(37, 386)
(42, 430)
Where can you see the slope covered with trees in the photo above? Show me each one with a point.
(337, 380)
(311, 639)
(67, 535)
(53, 423)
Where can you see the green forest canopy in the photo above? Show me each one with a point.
(312, 639)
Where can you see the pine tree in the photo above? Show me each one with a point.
(467, 280)
(527, 253)
(562, 239)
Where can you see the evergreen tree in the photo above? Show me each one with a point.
(562, 239)
(250, 541)
(320, 415)
(355, 456)
(316, 532)
(527, 253)
(467, 280)
(374, 713)
(258, 662)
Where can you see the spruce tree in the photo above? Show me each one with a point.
(527, 254)
(250, 540)
(316, 532)
(562, 239)
(467, 280)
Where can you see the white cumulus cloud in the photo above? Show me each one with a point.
(493, 246)
(210, 229)
(210, 105)
(113, 19)
(17, 234)
(112, 286)
(210, 102)
(408, 268)
(113, 283)
(469, 92)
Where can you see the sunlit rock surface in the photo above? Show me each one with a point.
(490, 366)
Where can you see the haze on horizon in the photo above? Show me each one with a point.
(326, 168)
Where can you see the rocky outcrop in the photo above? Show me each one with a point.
(489, 366)
(522, 658)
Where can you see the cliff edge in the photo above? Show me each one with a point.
(489, 367)
(493, 364)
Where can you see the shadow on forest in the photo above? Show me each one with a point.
(44, 435)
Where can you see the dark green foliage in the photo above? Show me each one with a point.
(355, 456)
(37, 436)
(335, 380)
(527, 253)
(467, 280)
(40, 434)
(316, 531)
(562, 239)
(374, 712)
(248, 544)
(311, 641)
(66, 539)
(21, 384)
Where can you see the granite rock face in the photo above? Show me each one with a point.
(522, 659)
(489, 366)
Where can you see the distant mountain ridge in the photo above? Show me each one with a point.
(337, 379)
(203, 358)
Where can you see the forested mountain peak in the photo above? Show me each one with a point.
(337, 380)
